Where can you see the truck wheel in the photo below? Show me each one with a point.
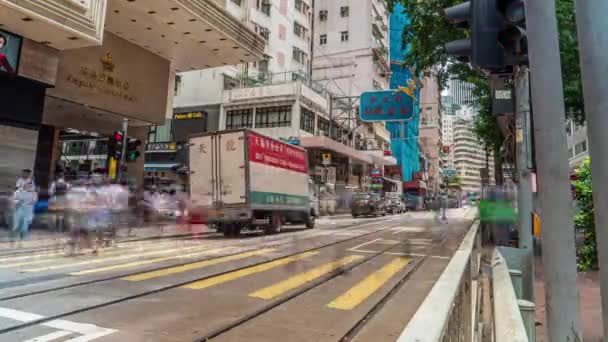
(276, 224)
(310, 222)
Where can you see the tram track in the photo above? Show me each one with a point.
(180, 284)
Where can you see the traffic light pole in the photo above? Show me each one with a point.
(592, 30)
(559, 256)
(524, 191)
(123, 156)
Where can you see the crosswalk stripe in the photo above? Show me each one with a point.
(303, 278)
(50, 337)
(358, 293)
(195, 265)
(147, 262)
(203, 284)
(115, 258)
(50, 257)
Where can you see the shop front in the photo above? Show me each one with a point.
(24, 77)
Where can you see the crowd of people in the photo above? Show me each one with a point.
(90, 210)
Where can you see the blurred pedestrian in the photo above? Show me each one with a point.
(58, 192)
(26, 177)
(25, 197)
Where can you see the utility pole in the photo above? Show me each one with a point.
(559, 256)
(592, 30)
(524, 191)
(123, 155)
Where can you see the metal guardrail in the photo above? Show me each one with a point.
(449, 312)
(508, 322)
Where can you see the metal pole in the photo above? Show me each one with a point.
(559, 256)
(524, 192)
(125, 141)
(592, 30)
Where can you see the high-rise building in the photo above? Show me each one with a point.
(351, 56)
(461, 93)
(469, 156)
(430, 131)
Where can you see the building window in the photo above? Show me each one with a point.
(239, 118)
(299, 55)
(178, 85)
(377, 85)
(263, 6)
(299, 30)
(323, 39)
(580, 148)
(160, 133)
(307, 120)
(323, 126)
(230, 83)
(344, 11)
(570, 153)
(237, 2)
(344, 36)
(273, 117)
(301, 6)
(323, 15)
(262, 31)
(263, 66)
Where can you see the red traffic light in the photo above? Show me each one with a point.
(118, 136)
(446, 149)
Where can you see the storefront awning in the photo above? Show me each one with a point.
(332, 145)
(158, 166)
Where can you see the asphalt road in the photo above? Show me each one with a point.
(348, 279)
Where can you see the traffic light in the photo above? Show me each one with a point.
(446, 149)
(482, 49)
(115, 144)
(513, 36)
(132, 149)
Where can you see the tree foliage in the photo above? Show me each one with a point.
(427, 32)
(583, 220)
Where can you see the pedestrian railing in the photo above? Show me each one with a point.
(508, 325)
(450, 311)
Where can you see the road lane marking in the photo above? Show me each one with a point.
(50, 337)
(368, 286)
(88, 332)
(147, 262)
(203, 284)
(400, 230)
(104, 259)
(303, 278)
(375, 241)
(196, 265)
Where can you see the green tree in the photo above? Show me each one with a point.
(583, 220)
(426, 35)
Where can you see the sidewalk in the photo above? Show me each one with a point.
(590, 305)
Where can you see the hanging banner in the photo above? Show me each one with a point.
(10, 49)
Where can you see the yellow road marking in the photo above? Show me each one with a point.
(196, 265)
(31, 256)
(357, 294)
(102, 260)
(301, 279)
(147, 262)
(247, 271)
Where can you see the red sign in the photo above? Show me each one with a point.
(271, 152)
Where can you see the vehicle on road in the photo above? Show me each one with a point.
(368, 204)
(242, 180)
(394, 203)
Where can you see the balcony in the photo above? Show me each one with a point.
(380, 57)
(61, 24)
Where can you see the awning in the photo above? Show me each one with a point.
(159, 166)
(332, 145)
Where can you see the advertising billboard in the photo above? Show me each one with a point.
(10, 47)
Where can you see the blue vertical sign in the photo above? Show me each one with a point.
(388, 105)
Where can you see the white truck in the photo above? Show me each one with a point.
(241, 179)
